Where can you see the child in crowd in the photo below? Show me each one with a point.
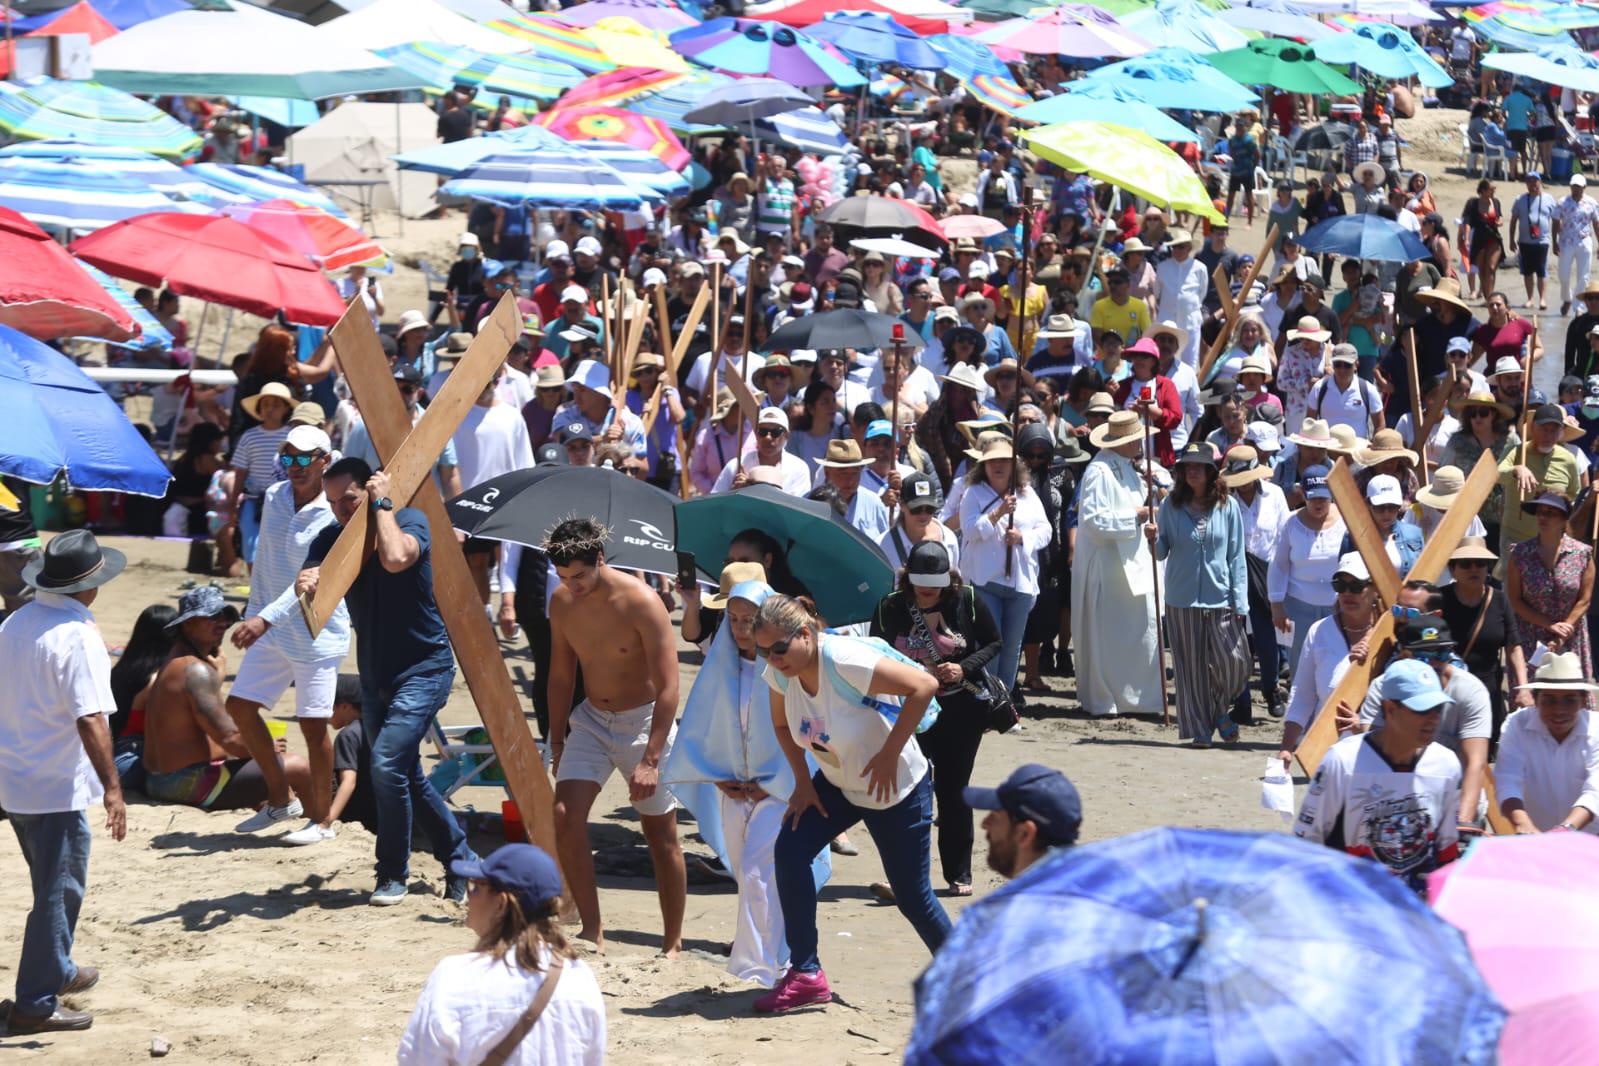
(352, 758)
(256, 457)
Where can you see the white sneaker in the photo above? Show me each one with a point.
(269, 816)
(310, 833)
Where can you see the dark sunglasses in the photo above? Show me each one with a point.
(778, 647)
(289, 462)
(770, 432)
(1350, 584)
(1432, 655)
(407, 390)
(922, 510)
(1472, 564)
(1479, 412)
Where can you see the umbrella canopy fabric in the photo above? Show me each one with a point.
(844, 571)
(614, 124)
(1185, 24)
(922, 16)
(152, 334)
(140, 168)
(1364, 236)
(44, 109)
(874, 38)
(1175, 78)
(1323, 138)
(215, 258)
(661, 17)
(771, 50)
(1284, 65)
(1203, 946)
(807, 129)
(642, 170)
(966, 58)
(45, 293)
(1562, 65)
(545, 177)
(78, 196)
(79, 18)
(123, 14)
(385, 23)
(330, 243)
(626, 43)
(1382, 50)
(1281, 21)
(442, 66)
(242, 183)
(520, 507)
(1129, 158)
(1000, 92)
(240, 50)
(1004, 9)
(60, 422)
(1525, 904)
(845, 328)
(1108, 103)
(1069, 30)
(290, 114)
(743, 101)
(555, 40)
(621, 85)
(974, 226)
(457, 156)
(880, 212)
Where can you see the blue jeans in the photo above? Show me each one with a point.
(1268, 654)
(396, 722)
(1303, 615)
(903, 835)
(1010, 610)
(56, 849)
(249, 526)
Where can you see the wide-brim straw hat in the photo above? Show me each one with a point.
(1124, 427)
(1174, 330)
(1133, 244)
(965, 375)
(1442, 491)
(1471, 548)
(1024, 376)
(1346, 441)
(974, 428)
(1480, 399)
(1100, 403)
(733, 575)
(1590, 293)
(1385, 444)
(1374, 169)
(1447, 291)
(252, 404)
(1314, 434)
(1255, 364)
(1561, 673)
(1309, 328)
(1242, 465)
(995, 446)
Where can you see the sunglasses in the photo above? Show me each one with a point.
(1403, 613)
(1350, 584)
(770, 432)
(1431, 655)
(1472, 564)
(778, 647)
(289, 462)
(1480, 412)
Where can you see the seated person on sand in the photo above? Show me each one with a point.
(192, 750)
(352, 759)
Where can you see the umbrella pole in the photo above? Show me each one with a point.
(227, 330)
(1154, 567)
(399, 173)
(199, 331)
(177, 420)
(1415, 406)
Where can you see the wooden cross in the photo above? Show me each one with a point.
(1352, 688)
(1231, 309)
(409, 455)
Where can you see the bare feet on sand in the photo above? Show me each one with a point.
(595, 940)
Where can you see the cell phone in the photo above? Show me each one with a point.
(687, 572)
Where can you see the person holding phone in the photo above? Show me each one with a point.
(1148, 390)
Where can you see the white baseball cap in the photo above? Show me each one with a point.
(591, 374)
(468, 239)
(588, 246)
(1577, 180)
(308, 439)
(1263, 436)
(1384, 489)
(773, 416)
(1352, 564)
(575, 293)
(654, 276)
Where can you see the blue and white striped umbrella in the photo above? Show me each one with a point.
(153, 334)
(177, 182)
(642, 170)
(451, 159)
(78, 197)
(809, 130)
(546, 177)
(241, 184)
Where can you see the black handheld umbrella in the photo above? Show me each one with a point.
(520, 507)
(845, 573)
(847, 327)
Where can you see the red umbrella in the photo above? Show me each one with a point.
(46, 294)
(215, 258)
(327, 241)
(808, 12)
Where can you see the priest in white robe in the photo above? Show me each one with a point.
(1180, 287)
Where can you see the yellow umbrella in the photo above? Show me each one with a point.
(1125, 157)
(628, 43)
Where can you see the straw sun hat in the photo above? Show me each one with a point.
(1124, 427)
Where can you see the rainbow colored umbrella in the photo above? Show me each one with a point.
(44, 109)
(555, 40)
(1535, 16)
(528, 76)
(328, 242)
(619, 86)
(613, 124)
(1000, 92)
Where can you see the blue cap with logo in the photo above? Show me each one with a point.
(881, 427)
(1414, 684)
(1035, 794)
(523, 870)
(1314, 483)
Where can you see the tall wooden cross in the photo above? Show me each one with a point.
(409, 455)
(1352, 688)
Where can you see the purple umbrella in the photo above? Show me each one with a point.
(749, 46)
(645, 12)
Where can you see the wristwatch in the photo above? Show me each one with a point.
(382, 503)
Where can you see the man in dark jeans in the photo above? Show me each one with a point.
(403, 653)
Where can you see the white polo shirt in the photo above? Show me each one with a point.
(1352, 407)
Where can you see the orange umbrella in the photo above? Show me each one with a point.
(330, 243)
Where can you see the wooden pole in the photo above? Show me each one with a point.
(744, 369)
(893, 418)
(1415, 405)
(664, 320)
(1526, 394)
(1154, 567)
(1022, 276)
(607, 325)
(1226, 334)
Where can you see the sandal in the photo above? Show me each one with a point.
(883, 892)
(959, 888)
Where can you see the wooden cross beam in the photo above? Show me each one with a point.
(1231, 323)
(409, 455)
(1363, 531)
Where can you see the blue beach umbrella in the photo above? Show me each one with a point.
(1175, 78)
(1364, 237)
(59, 421)
(743, 100)
(871, 38)
(1184, 24)
(967, 58)
(671, 103)
(1106, 103)
(1385, 51)
(177, 182)
(451, 159)
(239, 183)
(546, 177)
(1187, 947)
(78, 196)
(1562, 65)
(807, 129)
(642, 170)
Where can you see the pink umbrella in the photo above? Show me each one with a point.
(1526, 905)
(330, 243)
(1069, 30)
(974, 226)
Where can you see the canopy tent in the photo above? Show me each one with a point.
(354, 141)
(242, 50)
(385, 23)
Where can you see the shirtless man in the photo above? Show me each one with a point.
(616, 627)
(193, 753)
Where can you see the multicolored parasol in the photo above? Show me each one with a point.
(619, 86)
(328, 242)
(555, 40)
(44, 109)
(613, 124)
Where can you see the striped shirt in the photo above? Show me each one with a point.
(286, 536)
(257, 455)
(774, 207)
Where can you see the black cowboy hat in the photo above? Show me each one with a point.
(73, 562)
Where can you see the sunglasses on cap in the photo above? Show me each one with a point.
(289, 462)
(1350, 584)
(777, 647)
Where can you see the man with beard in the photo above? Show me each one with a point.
(1033, 810)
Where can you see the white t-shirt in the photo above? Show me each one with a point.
(732, 363)
(491, 441)
(471, 1001)
(792, 471)
(845, 736)
(56, 671)
(1352, 407)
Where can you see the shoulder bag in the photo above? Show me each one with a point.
(501, 1053)
(999, 712)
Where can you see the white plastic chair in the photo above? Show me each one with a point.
(1467, 153)
(1262, 192)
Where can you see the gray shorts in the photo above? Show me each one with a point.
(603, 741)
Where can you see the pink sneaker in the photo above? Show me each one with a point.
(795, 989)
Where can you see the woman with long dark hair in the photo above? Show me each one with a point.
(131, 677)
(1199, 531)
(936, 619)
(818, 426)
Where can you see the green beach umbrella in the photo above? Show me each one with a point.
(1284, 65)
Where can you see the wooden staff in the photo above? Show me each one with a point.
(893, 418)
(1415, 405)
(708, 394)
(744, 370)
(1226, 334)
(1093, 268)
(1154, 566)
(664, 320)
(1526, 394)
(608, 344)
(1017, 326)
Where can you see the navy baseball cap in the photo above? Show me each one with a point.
(550, 454)
(523, 870)
(1314, 483)
(572, 432)
(1036, 794)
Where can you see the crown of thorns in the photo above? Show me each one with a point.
(575, 539)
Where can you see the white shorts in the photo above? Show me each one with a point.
(267, 672)
(603, 741)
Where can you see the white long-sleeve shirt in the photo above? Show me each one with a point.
(286, 536)
(1323, 661)
(983, 547)
(1304, 563)
(1263, 520)
(1548, 776)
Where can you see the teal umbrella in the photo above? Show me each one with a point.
(1385, 51)
(1106, 103)
(1285, 65)
(44, 109)
(842, 569)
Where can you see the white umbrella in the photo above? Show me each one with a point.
(386, 23)
(895, 246)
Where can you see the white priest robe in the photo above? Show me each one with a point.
(1113, 603)
(1181, 288)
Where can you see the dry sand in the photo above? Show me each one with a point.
(239, 951)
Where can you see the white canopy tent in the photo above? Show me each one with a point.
(354, 141)
(386, 23)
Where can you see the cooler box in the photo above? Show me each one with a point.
(1561, 162)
